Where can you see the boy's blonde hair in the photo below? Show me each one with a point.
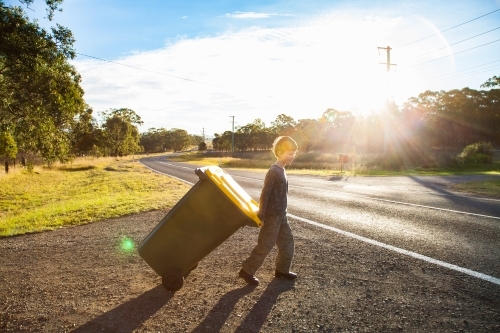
(282, 144)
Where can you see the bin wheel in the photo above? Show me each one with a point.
(190, 270)
(172, 280)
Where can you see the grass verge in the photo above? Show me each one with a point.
(327, 165)
(83, 192)
(324, 165)
(490, 188)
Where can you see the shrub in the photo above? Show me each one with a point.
(479, 152)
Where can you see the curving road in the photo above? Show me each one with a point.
(416, 216)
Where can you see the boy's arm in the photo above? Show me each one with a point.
(266, 193)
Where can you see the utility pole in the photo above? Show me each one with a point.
(388, 63)
(232, 136)
(203, 134)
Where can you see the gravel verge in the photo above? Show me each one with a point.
(78, 279)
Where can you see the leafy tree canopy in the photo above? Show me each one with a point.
(40, 92)
(52, 6)
(8, 146)
(121, 134)
(177, 139)
(283, 124)
(127, 115)
(492, 82)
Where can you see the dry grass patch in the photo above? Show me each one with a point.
(85, 191)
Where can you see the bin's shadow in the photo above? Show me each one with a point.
(216, 318)
(255, 319)
(130, 315)
(257, 316)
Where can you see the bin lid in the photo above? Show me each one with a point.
(234, 192)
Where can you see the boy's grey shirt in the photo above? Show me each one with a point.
(273, 198)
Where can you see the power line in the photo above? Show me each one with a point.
(440, 32)
(472, 48)
(147, 70)
(479, 71)
(462, 70)
(463, 40)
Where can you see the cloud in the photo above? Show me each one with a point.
(198, 83)
(185, 17)
(252, 15)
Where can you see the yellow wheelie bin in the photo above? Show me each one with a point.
(212, 210)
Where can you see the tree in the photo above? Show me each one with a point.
(8, 147)
(202, 146)
(195, 139)
(153, 140)
(127, 115)
(492, 82)
(335, 128)
(252, 136)
(283, 125)
(40, 93)
(52, 6)
(457, 118)
(217, 141)
(306, 134)
(222, 142)
(84, 134)
(120, 133)
(177, 139)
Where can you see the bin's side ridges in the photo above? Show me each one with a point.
(252, 223)
(171, 212)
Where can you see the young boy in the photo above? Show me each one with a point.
(272, 212)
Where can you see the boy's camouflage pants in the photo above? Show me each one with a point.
(275, 231)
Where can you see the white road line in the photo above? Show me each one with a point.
(403, 203)
(391, 201)
(254, 179)
(436, 208)
(328, 182)
(415, 255)
(166, 174)
(177, 166)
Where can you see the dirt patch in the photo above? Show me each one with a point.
(82, 279)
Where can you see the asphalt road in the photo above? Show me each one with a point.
(416, 216)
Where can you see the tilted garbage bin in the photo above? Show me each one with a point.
(212, 210)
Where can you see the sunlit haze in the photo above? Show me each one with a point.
(263, 59)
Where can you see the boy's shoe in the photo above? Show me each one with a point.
(249, 278)
(288, 276)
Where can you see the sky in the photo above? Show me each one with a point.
(195, 65)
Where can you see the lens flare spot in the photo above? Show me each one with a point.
(127, 244)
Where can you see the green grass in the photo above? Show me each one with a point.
(490, 188)
(84, 192)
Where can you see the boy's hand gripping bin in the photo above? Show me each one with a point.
(213, 209)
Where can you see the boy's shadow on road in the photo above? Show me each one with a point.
(255, 319)
(130, 315)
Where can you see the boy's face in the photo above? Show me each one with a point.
(287, 156)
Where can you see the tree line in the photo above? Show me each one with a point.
(43, 112)
(442, 119)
